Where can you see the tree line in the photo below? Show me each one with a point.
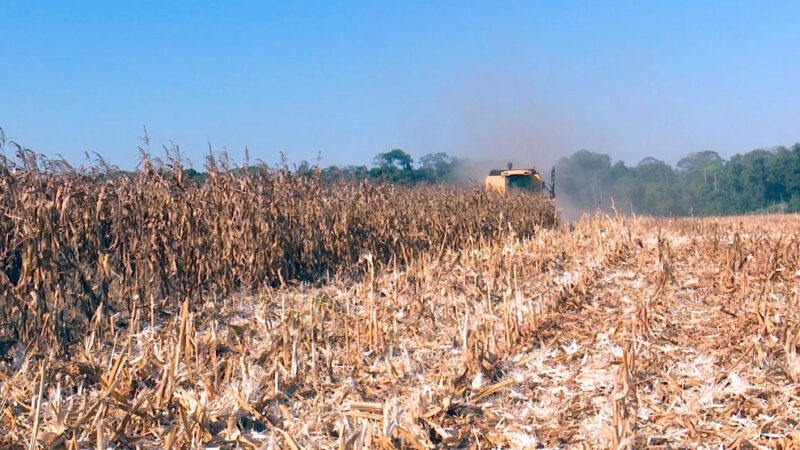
(700, 184)
(395, 166)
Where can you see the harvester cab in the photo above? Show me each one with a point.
(503, 181)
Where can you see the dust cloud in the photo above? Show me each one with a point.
(499, 119)
(494, 119)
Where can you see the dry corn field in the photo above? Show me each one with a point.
(267, 311)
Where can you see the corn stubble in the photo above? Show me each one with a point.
(155, 313)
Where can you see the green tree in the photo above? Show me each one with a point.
(395, 158)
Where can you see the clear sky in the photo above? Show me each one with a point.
(528, 80)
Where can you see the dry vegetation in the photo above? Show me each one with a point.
(73, 241)
(437, 328)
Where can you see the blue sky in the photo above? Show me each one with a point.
(527, 81)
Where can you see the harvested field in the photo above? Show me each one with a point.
(615, 332)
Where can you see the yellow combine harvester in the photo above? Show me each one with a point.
(503, 181)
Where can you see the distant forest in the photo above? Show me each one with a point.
(395, 166)
(701, 184)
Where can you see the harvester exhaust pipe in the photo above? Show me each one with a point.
(553, 182)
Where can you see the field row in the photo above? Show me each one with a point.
(75, 244)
